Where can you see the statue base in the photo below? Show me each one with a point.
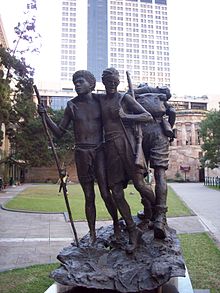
(175, 285)
(107, 267)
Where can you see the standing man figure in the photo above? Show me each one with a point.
(119, 146)
(84, 112)
(156, 150)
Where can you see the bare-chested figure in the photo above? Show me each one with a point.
(120, 157)
(84, 112)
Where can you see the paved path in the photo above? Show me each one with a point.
(32, 238)
(205, 203)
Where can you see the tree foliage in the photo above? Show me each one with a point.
(30, 144)
(5, 104)
(210, 133)
(19, 114)
(15, 74)
(17, 109)
(16, 82)
(65, 145)
(26, 34)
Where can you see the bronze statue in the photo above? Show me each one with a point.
(109, 265)
(84, 113)
(120, 149)
(156, 146)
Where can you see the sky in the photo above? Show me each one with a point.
(194, 41)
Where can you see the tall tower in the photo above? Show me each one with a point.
(73, 37)
(126, 34)
(97, 37)
(137, 39)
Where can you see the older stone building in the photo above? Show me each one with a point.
(185, 150)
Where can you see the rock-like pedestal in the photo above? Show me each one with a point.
(106, 267)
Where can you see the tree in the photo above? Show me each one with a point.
(5, 104)
(210, 133)
(26, 35)
(65, 145)
(15, 73)
(27, 142)
(30, 145)
(30, 142)
(17, 109)
(15, 88)
(26, 32)
(24, 128)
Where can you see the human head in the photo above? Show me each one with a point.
(84, 81)
(110, 79)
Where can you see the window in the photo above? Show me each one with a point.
(198, 106)
(164, 2)
(146, 1)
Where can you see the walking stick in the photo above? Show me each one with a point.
(58, 166)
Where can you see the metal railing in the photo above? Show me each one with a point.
(212, 181)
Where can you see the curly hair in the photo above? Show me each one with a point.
(87, 75)
(110, 72)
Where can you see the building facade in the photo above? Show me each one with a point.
(128, 35)
(5, 147)
(73, 53)
(185, 151)
(56, 95)
(3, 38)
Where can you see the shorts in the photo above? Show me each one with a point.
(155, 145)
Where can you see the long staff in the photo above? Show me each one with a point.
(58, 166)
(140, 159)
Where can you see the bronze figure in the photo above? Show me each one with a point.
(156, 137)
(105, 131)
(120, 149)
(84, 113)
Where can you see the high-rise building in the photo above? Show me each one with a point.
(73, 37)
(97, 37)
(128, 35)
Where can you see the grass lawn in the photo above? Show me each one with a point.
(201, 255)
(202, 258)
(214, 187)
(34, 279)
(46, 198)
